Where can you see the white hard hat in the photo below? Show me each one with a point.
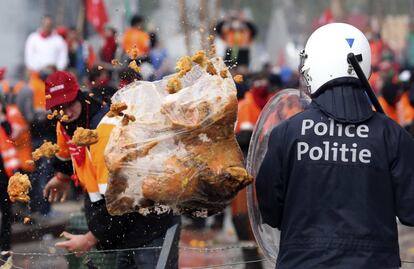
(325, 55)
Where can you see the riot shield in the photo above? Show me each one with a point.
(282, 106)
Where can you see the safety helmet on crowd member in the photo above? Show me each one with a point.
(61, 88)
(325, 55)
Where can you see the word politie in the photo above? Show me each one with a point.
(331, 150)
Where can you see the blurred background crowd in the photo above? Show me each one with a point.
(260, 40)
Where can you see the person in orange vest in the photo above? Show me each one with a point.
(390, 95)
(249, 109)
(9, 164)
(377, 47)
(18, 93)
(238, 34)
(405, 109)
(135, 41)
(20, 131)
(21, 110)
(88, 167)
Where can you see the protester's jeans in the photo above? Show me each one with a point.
(6, 216)
(147, 259)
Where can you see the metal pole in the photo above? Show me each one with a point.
(165, 254)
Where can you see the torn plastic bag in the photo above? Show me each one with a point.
(181, 152)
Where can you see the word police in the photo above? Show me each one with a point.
(331, 150)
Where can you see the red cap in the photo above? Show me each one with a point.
(62, 88)
(62, 31)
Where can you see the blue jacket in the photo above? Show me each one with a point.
(334, 185)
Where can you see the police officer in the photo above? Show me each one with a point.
(336, 176)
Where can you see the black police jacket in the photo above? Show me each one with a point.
(333, 180)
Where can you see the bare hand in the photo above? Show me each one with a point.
(79, 243)
(56, 190)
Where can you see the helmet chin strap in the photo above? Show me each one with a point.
(304, 74)
(353, 60)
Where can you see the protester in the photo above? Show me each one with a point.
(390, 96)
(106, 232)
(44, 50)
(20, 129)
(108, 49)
(377, 47)
(18, 98)
(405, 109)
(20, 113)
(238, 34)
(336, 176)
(158, 58)
(9, 163)
(135, 41)
(45, 47)
(249, 110)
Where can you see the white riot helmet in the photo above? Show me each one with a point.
(325, 55)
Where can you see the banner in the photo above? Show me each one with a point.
(96, 14)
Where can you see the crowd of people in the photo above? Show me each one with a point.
(58, 61)
(60, 56)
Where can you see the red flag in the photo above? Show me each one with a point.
(96, 14)
(326, 17)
